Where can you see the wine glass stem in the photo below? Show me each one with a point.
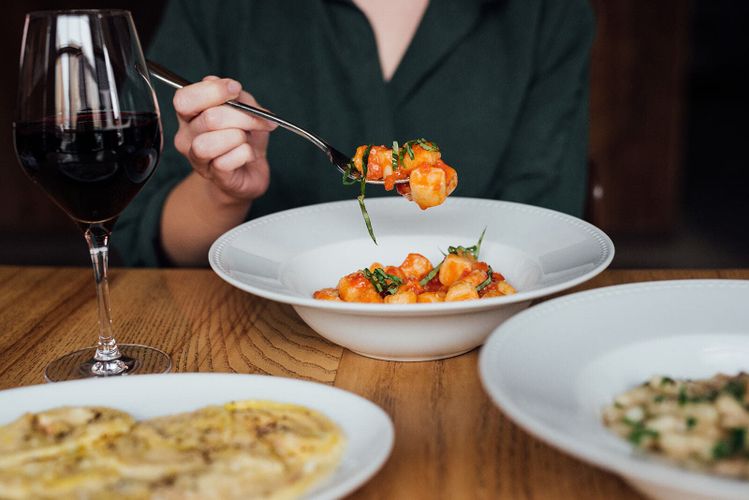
(107, 357)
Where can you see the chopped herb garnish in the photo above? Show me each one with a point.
(395, 156)
(426, 145)
(383, 282)
(478, 244)
(473, 250)
(363, 186)
(364, 168)
(736, 388)
(710, 396)
(667, 381)
(721, 450)
(409, 150)
(733, 445)
(738, 438)
(348, 177)
(367, 220)
(430, 275)
(691, 422)
(639, 432)
(631, 423)
(659, 398)
(683, 398)
(487, 281)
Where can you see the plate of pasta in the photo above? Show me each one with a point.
(189, 435)
(435, 284)
(646, 380)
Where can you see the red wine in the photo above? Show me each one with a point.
(93, 170)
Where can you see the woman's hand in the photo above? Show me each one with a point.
(226, 149)
(224, 145)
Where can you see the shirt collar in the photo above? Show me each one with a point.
(445, 24)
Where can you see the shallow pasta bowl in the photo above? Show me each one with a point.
(286, 256)
(554, 367)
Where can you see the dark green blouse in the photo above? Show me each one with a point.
(500, 85)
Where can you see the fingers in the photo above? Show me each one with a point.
(193, 99)
(235, 175)
(223, 117)
(234, 159)
(211, 145)
(201, 105)
(247, 98)
(223, 144)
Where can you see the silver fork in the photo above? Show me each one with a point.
(340, 160)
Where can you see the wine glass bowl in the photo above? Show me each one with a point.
(87, 131)
(92, 173)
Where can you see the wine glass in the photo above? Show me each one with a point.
(87, 130)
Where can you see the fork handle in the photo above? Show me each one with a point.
(174, 80)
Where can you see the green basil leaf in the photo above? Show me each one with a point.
(430, 275)
(473, 250)
(382, 281)
(367, 220)
(426, 145)
(486, 282)
(348, 179)
(365, 167)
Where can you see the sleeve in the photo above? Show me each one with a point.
(546, 163)
(180, 44)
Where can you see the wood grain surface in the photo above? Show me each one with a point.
(451, 441)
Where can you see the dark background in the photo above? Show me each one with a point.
(669, 106)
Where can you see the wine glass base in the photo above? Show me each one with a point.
(138, 360)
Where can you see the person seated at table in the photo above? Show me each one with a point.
(500, 85)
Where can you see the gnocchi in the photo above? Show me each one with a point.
(430, 180)
(459, 276)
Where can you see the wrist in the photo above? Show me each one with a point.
(194, 215)
(218, 198)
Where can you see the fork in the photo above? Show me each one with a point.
(340, 160)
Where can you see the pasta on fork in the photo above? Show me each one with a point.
(430, 180)
(419, 162)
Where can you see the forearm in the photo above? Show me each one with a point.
(195, 213)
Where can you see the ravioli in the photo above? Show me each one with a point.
(244, 449)
(58, 431)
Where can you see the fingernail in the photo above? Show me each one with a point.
(234, 87)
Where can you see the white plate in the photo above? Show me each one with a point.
(554, 367)
(287, 256)
(369, 430)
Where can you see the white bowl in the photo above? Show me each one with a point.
(553, 368)
(287, 256)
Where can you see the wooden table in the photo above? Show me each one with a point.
(451, 441)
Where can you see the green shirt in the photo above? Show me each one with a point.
(500, 85)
